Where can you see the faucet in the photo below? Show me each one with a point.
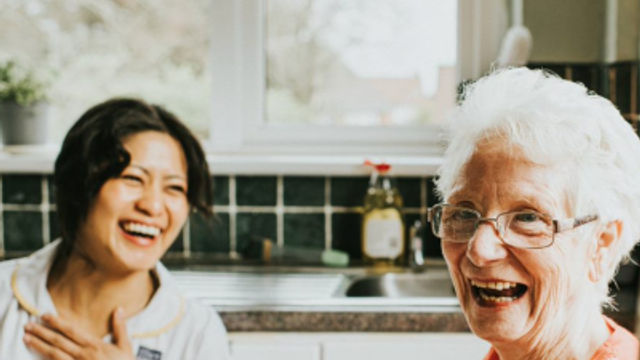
(416, 259)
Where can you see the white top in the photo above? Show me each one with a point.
(170, 327)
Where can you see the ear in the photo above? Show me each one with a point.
(607, 236)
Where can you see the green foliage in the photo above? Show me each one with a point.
(19, 85)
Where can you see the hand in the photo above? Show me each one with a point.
(58, 340)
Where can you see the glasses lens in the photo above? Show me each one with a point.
(527, 229)
(457, 224)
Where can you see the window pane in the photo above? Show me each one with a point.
(154, 49)
(360, 62)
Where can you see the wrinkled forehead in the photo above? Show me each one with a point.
(504, 168)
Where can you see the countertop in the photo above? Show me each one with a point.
(294, 306)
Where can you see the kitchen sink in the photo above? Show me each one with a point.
(291, 289)
(402, 285)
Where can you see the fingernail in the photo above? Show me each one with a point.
(119, 312)
(28, 327)
(26, 338)
(45, 317)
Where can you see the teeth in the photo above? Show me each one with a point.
(141, 229)
(500, 285)
(497, 298)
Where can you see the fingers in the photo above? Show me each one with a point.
(66, 329)
(119, 325)
(46, 342)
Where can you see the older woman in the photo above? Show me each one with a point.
(127, 176)
(541, 193)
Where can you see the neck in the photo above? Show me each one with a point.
(87, 295)
(576, 340)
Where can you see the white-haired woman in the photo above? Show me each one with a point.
(541, 193)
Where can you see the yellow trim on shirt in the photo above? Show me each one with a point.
(14, 287)
(172, 323)
(143, 335)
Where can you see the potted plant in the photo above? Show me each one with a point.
(23, 106)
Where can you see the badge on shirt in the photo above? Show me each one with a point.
(148, 354)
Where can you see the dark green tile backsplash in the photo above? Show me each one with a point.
(348, 191)
(246, 210)
(22, 230)
(252, 227)
(304, 230)
(346, 229)
(220, 190)
(256, 190)
(22, 189)
(304, 191)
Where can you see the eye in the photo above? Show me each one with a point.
(178, 188)
(131, 178)
(527, 217)
(463, 214)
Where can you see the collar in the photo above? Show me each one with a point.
(621, 344)
(29, 287)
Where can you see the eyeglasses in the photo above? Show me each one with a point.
(522, 229)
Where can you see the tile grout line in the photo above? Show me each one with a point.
(568, 72)
(280, 211)
(22, 207)
(634, 88)
(233, 212)
(613, 94)
(328, 235)
(186, 237)
(301, 209)
(1, 220)
(44, 207)
(423, 201)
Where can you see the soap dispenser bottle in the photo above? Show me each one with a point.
(383, 242)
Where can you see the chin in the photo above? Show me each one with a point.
(139, 259)
(505, 323)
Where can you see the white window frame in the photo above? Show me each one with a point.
(237, 61)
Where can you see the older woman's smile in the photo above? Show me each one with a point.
(496, 292)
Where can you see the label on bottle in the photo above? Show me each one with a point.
(383, 237)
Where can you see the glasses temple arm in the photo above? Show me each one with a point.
(568, 224)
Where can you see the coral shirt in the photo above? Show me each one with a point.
(621, 345)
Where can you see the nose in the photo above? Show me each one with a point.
(150, 201)
(485, 246)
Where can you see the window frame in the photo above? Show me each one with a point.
(238, 68)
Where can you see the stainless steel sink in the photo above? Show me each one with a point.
(401, 286)
(295, 290)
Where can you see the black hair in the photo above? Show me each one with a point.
(92, 153)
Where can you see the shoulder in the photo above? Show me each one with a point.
(621, 344)
(200, 332)
(7, 268)
(203, 317)
(206, 332)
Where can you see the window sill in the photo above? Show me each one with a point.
(41, 160)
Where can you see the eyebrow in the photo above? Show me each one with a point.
(541, 202)
(148, 173)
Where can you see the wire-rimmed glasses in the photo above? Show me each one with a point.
(525, 229)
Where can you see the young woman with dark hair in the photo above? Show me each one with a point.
(126, 179)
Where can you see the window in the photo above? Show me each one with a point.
(357, 77)
(359, 62)
(343, 77)
(95, 49)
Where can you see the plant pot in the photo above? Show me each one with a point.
(24, 125)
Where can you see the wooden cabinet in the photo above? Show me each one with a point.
(354, 346)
